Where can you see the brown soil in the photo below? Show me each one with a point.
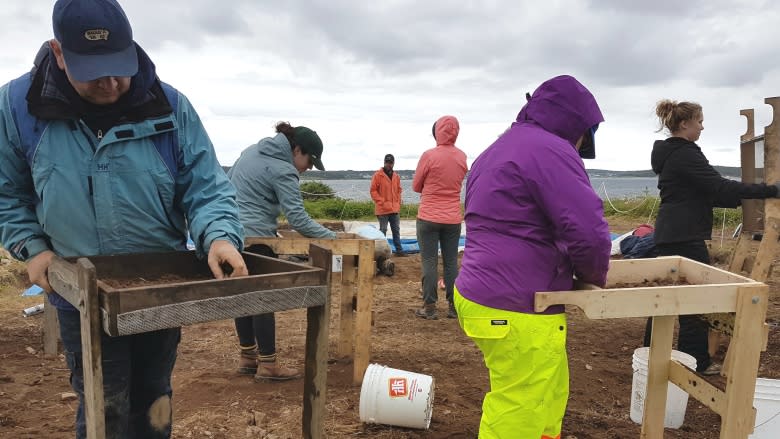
(164, 279)
(667, 282)
(212, 401)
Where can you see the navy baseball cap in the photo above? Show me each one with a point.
(96, 39)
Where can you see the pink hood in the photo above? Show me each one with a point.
(439, 175)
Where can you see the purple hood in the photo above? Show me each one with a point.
(532, 217)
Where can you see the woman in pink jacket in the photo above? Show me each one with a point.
(438, 179)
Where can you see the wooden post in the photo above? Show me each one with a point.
(767, 250)
(316, 375)
(746, 343)
(657, 377)
(752, 210)
(92, 354)
(346, 312)
(50, 329)
(366, 270)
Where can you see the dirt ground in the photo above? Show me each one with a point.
(212, 401)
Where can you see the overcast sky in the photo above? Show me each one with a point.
(372, 76)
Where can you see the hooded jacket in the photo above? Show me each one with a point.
(386, 192)
(532, 217)
(79, 194)
(267, 184)
(690, 188)
(439, 176)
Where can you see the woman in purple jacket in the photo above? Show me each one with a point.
(549, 227)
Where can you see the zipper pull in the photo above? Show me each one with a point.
(100, 134)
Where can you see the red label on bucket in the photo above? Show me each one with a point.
(398, 387)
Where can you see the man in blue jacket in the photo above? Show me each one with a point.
(98, 156)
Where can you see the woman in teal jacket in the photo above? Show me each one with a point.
(266, 178)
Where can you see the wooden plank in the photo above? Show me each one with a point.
(768, 249)
(131, 299)
(645, 302)
(92, 354)
(365, 298)
(300, 246)
(697, 387)
(64, 279)
(316, 370)
(346, 311)
(50, 328)
(703, 274)
(738, 419)
(657, 377)
(752, 210)
(772, 157)
(638, 270)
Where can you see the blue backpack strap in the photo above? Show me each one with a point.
(29, 127)
(167, 143)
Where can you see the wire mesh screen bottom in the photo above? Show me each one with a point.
(216, 308)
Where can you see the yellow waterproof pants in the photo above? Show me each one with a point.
(529, 372)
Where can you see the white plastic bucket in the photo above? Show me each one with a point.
(676, 398)
(396, 397)
(766, 400)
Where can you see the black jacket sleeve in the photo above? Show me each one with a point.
(722, 191)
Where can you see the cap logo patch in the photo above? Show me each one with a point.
(96, 34)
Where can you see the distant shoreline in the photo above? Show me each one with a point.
(408, 174)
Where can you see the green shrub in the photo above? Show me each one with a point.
(316, 190)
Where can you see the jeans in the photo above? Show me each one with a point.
(395, 227)
(260, 328)
(693, 336)
(136, 379)
(431, 236)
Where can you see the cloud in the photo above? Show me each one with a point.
(372, 76)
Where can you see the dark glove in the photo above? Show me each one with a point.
(777, 186)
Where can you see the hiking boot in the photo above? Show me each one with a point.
(452, 313)
(270, 369)
(713, 369)
(428, 312)
(247, 361)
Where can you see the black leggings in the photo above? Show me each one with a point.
(260, 327)
(694, 331)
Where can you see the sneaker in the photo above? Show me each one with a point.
(247, 361)
(272, 370)
(713, 369)
(452, 313)
(428, 312)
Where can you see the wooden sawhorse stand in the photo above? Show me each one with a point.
(712, 291)
(357, 264)
(78, 284)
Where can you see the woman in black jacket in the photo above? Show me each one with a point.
(690, 188)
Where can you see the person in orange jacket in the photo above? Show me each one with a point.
(386, 193)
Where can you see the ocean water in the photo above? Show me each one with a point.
(612, 187)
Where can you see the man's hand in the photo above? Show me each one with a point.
(38, 269)
(223, 252)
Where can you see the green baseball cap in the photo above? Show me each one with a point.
(310, 143)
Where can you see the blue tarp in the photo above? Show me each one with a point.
(410, 245)
(33, 291)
